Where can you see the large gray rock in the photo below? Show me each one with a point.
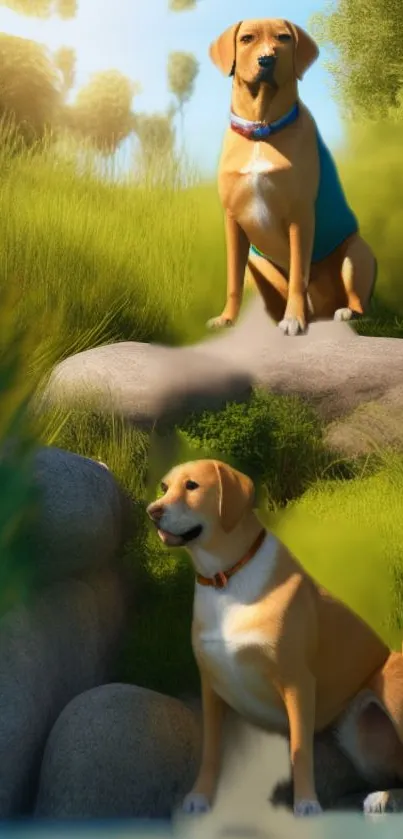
(84, 515)
(64, 643)
(116, 752)
(331, 366)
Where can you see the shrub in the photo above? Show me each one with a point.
(277, 440)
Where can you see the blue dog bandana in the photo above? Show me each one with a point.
(334, 219)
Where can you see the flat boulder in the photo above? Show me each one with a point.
(144, 382)
(331, 366)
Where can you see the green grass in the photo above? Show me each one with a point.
(137, 260)
(110, 260)
(349, 536)
(370, 167)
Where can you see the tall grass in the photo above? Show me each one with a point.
(371, 168)
(143, 258)
(112, 259)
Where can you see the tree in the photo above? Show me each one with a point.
(157, 138)
(65, 60)
(367, 36)
(102, 110)
(30, 89)
(182, 72)
(67, 9)
(181, 5)
(43, 8)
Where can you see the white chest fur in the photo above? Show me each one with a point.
(260, 186)
(223, 642)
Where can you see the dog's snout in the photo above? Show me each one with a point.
(266, 61)
(155, 511)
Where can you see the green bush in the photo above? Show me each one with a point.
(277, 440)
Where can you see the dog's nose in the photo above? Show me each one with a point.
(155, 511)
(266, 61)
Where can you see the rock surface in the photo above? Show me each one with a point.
(119, 752)
(84, 514)
(331, 366)
(145, 382)
(64, 643)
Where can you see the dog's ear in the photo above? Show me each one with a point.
(306, 49)
(222, 51)
(236, 495)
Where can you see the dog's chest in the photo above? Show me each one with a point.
(235, 655)
(255, 196)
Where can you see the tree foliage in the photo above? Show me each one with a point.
(43, 8)
(65, 60)
(182, 73)
(181, 5)
(157, 137)
(30, 88)
(367, 68)
(102, 110)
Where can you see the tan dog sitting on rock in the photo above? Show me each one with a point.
(274, 645)
(287, 221)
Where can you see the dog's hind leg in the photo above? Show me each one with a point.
(371, 734)
(358, 274)
(387, 685)
(367, 736)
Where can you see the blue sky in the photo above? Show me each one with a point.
(138, 39)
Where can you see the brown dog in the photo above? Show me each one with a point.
(271, 643)
(286, 217)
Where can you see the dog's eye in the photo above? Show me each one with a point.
(163, 488)
(284, 36)
(246, 39)
(191, 485)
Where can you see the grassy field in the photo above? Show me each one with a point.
(93, 262)
(138, 261)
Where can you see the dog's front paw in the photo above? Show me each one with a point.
(196, 803)
(292, 326)
(305, 807)
(346, 314)
(221, 322)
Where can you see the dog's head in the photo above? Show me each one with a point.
(200, 501)
(270, 51)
